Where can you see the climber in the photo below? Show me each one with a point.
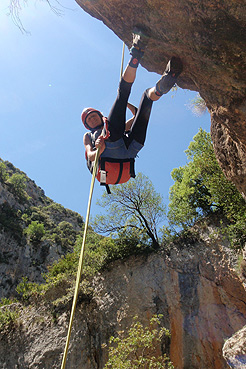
(119, 141)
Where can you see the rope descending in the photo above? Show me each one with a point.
(81, 259)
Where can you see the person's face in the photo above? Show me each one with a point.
(93, 120)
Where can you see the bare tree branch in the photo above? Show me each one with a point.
(15, 7)
(133, 205)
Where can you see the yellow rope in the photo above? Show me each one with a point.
(81, 259)
(122, 60)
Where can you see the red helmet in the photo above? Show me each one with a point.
(85, 114)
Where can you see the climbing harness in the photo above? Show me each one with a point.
(114, 171)
(82, 252)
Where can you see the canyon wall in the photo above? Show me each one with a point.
(192, 284)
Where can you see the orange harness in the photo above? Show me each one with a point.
(111, 170)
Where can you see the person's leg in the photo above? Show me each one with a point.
(167, 81)
(139, 43)
(129, 74)
(169, 78)
(117, 115)
(140, 124)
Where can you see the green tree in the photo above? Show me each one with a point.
(35, 231)
(3, 172)
(132, 206)
(201, 188)
(138, 349)
(17, 183)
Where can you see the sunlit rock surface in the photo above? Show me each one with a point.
(193, 285)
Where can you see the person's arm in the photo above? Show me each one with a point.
(90, 151)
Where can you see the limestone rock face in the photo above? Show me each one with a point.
(234, 350)
(193, 285)
(210, 38)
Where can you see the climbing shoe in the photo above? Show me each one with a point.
(139, 42)
(173, 69)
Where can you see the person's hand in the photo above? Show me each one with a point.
(100, 144)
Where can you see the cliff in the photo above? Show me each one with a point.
(234, 350)
(210, 38)
(23, 254)
(192, 284)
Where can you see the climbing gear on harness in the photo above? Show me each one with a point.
(85, 114)
(140, 40)
(105, 131)
(169, 78)
(115, 171)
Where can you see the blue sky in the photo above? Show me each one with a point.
(69, 62)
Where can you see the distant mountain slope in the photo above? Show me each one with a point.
(34, 230)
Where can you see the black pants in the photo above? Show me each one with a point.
(117, 116)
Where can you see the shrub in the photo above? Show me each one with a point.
(5, 301)
(27, 289)
(66, 265)
(7, 317)
(3, 172)
(137, 349)
(17, 183)
(35, 231)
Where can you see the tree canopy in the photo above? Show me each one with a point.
(132, 207)
(200, 188)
